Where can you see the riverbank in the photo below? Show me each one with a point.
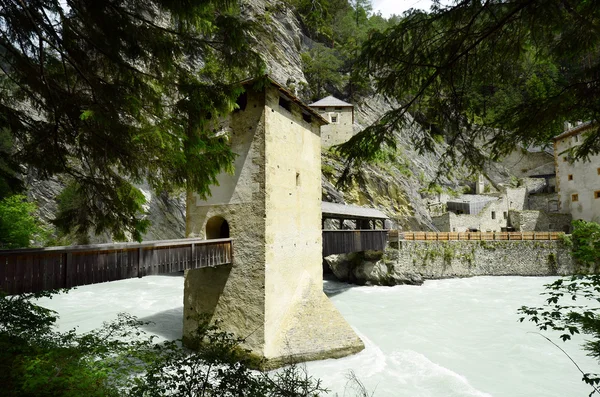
(412, 262)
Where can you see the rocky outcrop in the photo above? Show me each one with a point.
(370, 268)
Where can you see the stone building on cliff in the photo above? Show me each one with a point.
(340, 117)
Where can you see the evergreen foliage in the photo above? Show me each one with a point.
(495, 72)
(321, 69)
(18, 224)
(119, 359)
(339, 27)
(108, 93)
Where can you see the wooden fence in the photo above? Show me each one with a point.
(512, 236)
(40, 269)
(346, 241)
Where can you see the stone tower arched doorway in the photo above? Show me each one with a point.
(217, 227)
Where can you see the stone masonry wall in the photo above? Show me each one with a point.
(540, 221)
(339, 131)
(300, 321)
(446, 259)
(234, 294)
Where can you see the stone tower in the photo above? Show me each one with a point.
(271, 206)
(340, 116)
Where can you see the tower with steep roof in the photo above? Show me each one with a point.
(340, 115)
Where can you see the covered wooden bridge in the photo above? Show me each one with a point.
(349, 228)
(41, 269)
(346, 229)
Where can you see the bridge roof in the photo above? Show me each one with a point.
(333, 210)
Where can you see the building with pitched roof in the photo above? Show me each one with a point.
(340, 116)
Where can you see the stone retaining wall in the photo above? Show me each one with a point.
(410, 262)
(442, 259)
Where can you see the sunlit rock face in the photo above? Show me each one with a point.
(370, 268)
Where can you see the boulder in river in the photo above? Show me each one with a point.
(370, 268)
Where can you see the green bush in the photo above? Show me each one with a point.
(119, 359)
(586, 243)
(18, 226)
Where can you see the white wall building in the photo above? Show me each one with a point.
(578, 182)
(340, 116)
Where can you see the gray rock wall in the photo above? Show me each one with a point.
(412, 261)
(444, 259)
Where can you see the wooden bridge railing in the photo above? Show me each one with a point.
(40, 269)
(513, 236)
(346, 241)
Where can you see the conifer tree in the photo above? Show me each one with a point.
(107, 93)
(498, 72)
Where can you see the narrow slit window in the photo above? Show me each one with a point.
(242, 102)
(570, 177)
(493, 214)
(284, 103)
(297, 179)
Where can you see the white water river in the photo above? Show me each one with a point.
(447, 338)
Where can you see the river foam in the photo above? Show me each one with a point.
(447, 338)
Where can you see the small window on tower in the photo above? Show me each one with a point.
(284, 103)
(597, 194)
(334, 119)
(242, 102)
(570, 177)
(493, 214)
(574, 197)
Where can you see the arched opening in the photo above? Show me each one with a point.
(217, 227)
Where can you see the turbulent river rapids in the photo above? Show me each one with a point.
(447, 338)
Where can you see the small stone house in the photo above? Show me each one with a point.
(578, 182)
(340, 116)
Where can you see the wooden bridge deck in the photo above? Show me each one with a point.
(40, 269)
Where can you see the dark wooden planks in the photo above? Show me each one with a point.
(34, 270)
(346, 241)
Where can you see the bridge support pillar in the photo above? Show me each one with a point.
(272, 294)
